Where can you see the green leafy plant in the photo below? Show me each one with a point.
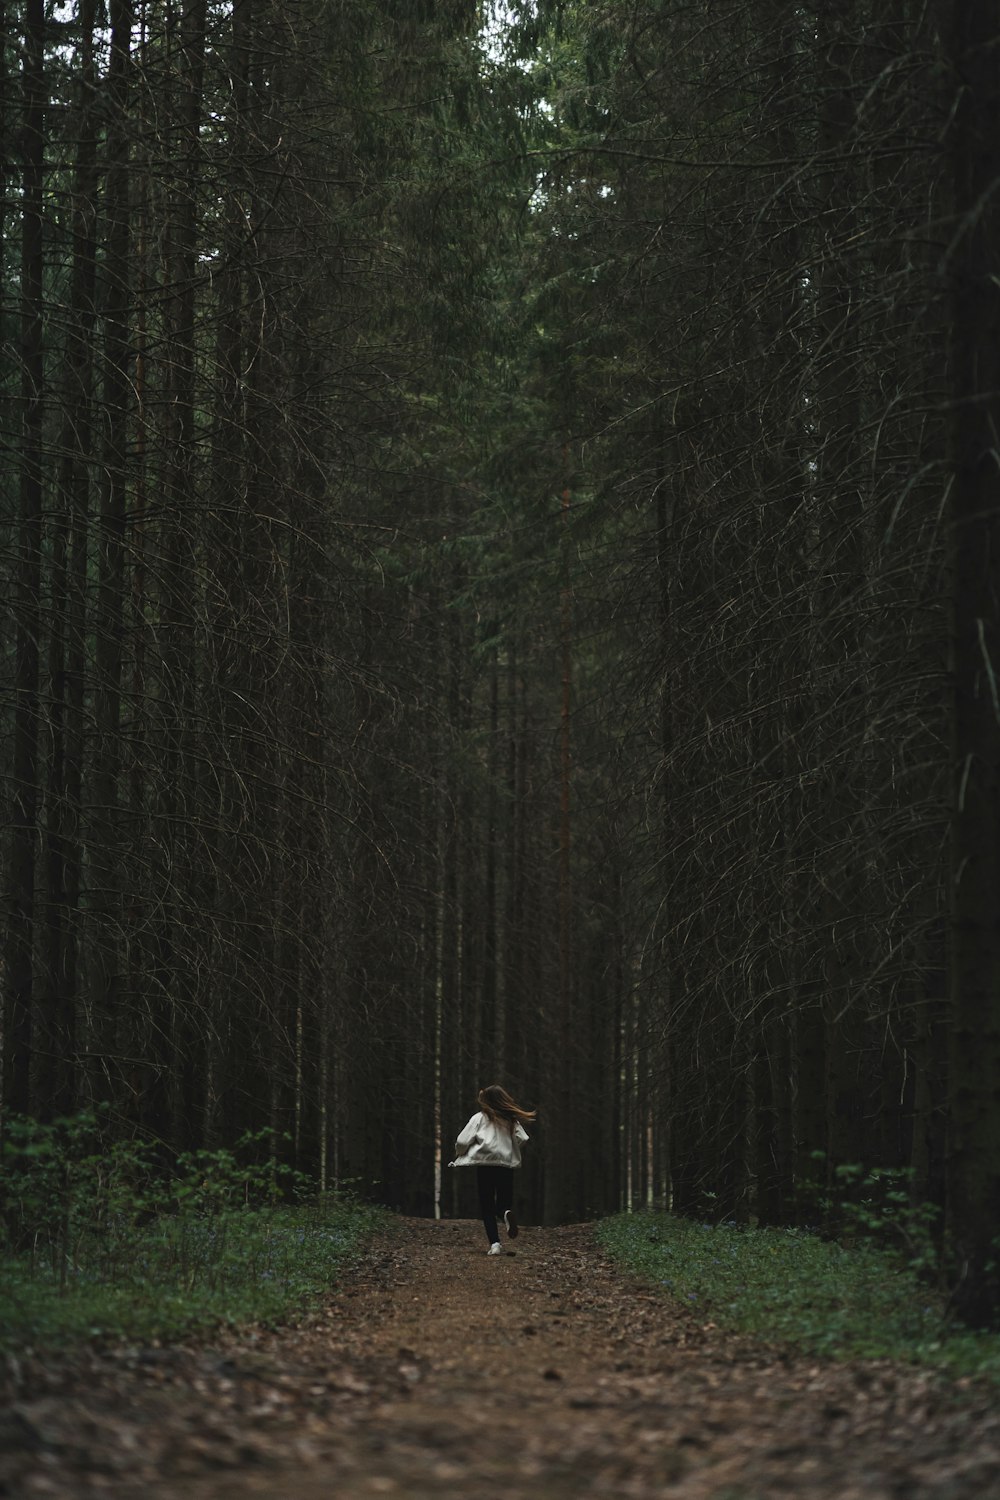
(878, 1204)
(101, 1239)
(846, 1300)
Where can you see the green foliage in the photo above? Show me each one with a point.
(881, 1207)
(790, 1286)
(97, 1241)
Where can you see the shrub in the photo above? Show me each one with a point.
(99, 1240)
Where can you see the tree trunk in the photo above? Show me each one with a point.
(18, 1028)
(66, 665)
(104, 886)
(974, 1168)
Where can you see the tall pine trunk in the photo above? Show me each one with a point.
(66, 654)
(18, 1039)
(974, 1175)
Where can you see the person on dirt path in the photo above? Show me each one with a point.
(491, 1142)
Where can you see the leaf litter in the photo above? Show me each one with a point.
(434, 1370)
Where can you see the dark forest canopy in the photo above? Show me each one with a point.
(499, 548)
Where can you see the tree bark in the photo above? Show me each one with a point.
(19, 1039)
(974, 1166)
(66, 662)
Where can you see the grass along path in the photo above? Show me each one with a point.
(436, 1371)
(812, 1294)
(182, 1276)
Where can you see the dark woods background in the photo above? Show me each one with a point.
(498, 547)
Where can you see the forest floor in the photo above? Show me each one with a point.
(434, 1370)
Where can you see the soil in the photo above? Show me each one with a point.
(435, 1370)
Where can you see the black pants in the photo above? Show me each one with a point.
(496, 1194)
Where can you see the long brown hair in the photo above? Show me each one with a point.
(497, 1105)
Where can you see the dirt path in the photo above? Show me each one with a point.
(438, 1371)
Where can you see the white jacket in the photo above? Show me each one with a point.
(485, 1143)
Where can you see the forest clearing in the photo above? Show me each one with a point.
(435, 1370)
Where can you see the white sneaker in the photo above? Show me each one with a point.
(495, 1248)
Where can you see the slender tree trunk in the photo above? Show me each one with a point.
(105, 926)
(974, 1168)
(178, 782)
(18, 1028)
(228, 1039)
(559, 1196)
(665, 501)
(492, 1048)
(57, 1008)
(840, 588)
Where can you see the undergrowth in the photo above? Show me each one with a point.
(100, 1241)
(789, 1286)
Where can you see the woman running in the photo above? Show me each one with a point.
(491, 1142)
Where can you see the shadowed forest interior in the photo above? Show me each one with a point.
(500, 561)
